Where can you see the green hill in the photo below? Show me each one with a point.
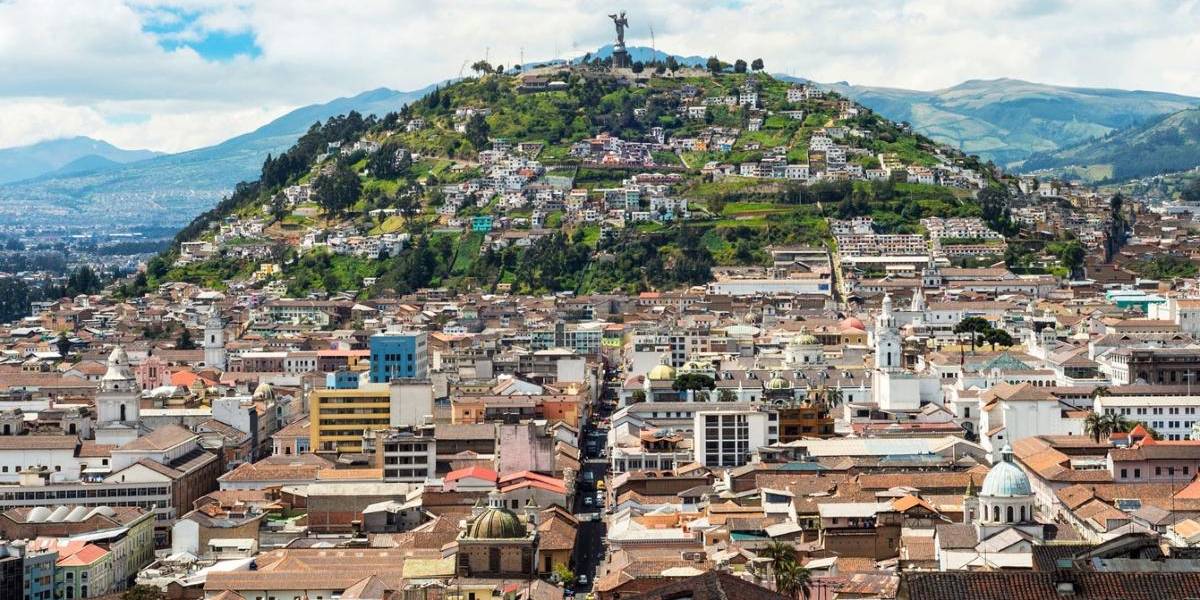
(731, 220)
(1164, 145)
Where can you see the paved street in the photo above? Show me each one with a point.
(589, 550)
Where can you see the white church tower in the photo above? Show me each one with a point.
(887, 338)
(118, 402)
(214, 340)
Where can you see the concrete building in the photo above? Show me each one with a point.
(399, 355)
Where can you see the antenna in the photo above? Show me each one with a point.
(653, 50)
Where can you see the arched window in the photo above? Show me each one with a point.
(1022, 514)
(995, 513)
(1009, 514)
(123, 412)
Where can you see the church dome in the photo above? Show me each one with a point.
(778, 383)
(662, 372)
(1006, 479)
(853, 323)
(495, 523)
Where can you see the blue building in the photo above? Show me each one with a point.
(482, 224)
(342, 379)
(39, 574)
(399, 355)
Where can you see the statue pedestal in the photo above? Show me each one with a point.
(620, 58)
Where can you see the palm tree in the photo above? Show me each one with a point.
(1114, 423)
(1094, 425)
(791, 578)
(1098, 391)
(781, 554)
(834, 397)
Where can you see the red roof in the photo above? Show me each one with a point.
(85, 556)
(521, 479)
(476, 472)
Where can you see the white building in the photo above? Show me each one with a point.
(731, 438)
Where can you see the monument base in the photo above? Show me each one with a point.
(620, 59)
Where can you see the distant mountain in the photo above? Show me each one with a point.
(171, 189)
(1007, 120)
(644, 54)
(1163, 145)
(27, 162)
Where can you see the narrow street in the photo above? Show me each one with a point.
(590, 502)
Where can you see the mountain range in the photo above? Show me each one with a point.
(1004, 120)
(171, 189)
(1008, 120)
(64, 156)
(1166, 144)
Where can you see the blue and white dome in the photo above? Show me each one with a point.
(1006, 479)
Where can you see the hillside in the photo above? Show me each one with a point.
(1164, 145)
(1007, 120)
(171, 189)
(567, 180)
(36, 160)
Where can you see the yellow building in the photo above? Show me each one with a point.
(339, 417)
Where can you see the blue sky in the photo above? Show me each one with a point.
(179, 74)
(174, 28)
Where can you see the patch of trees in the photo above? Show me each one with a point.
(338, 191)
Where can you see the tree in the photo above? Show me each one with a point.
(975, 327)
(390, 162)
(481, 67)
(1071, 254)
(757, 65)
(279, 207)
(693, 381)
(726, 396)
(637, 397)
(1116, 422)
(1093, 425)
(1191, 193)
(999, 337)
(833, 397)
(477, 132)
(63, 344)
(563, 575)
(185, 341)
(638, 66)
(143, 592)
(337, 191)
(672, 64)
(739, 66)
(793, 579)
(713, 65)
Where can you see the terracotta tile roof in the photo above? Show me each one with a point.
(162, 438)
(713, 585)
(1033, 585)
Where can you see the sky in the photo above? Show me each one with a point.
(172, 75)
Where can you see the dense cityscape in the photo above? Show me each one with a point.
(627, 326)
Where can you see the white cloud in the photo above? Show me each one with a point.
(166, 126)
(82, 59)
